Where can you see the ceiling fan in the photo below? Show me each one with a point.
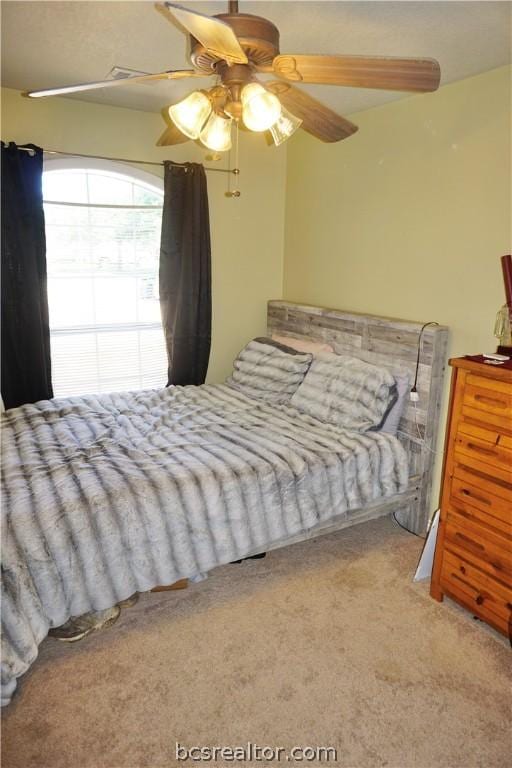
(235, 47)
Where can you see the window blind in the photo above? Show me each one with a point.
(103, 244)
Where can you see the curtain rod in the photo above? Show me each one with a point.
(235, 171)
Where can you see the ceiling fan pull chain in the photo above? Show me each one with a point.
(236, 170)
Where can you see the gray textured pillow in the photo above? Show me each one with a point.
(345, 391)
(268, 370)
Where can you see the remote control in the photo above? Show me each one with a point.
(500, 358)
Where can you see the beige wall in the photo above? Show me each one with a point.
(247, 233)
(408, 217)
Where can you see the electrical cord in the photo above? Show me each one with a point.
(414, 397)
(418, 430)
(413, 388)
(418, 535)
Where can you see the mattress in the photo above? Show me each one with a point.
(103, 496)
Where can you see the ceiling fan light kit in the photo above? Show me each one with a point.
(216, 134)
(190, 114)
(260, 109)
(208, 116)
(284, 127)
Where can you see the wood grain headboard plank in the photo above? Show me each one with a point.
(394, 343)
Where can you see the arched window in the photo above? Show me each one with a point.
(103, 228)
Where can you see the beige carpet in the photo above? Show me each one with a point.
(325, 643)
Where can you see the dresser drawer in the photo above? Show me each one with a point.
(476, 501)
(490, 485)
(482, 451)
(488, 398)
(499, 421)
(489, 550)
(468, 597)
(488, 433)
(473, 379)
(479, 587)
(479, 456)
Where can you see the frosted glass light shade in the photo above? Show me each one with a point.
(284, 127)
(191, 114)
(216, 134)
(260, 109)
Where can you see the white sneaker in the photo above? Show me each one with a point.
(79, 627)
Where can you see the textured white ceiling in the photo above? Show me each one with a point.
(47, 44)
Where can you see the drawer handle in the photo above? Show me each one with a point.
(474, 496)
(469, 541)
(490, 401)
(479, 599)
(481, 449)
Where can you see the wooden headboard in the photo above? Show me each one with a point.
(393, 343)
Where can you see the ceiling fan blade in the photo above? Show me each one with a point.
(172, 135)
(391, 74)
(217, 37)
(317, 119)
(171, 75)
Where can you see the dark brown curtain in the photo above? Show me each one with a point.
(185, 273)
(26, 367)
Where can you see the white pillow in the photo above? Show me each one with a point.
(345, 391)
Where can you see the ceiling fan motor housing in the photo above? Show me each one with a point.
(258, 37)
(233, 79)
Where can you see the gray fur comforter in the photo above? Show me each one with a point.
(104, 496)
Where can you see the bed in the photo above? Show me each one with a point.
(393, 343)
(105, 496)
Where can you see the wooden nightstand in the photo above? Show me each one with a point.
(473, 558)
